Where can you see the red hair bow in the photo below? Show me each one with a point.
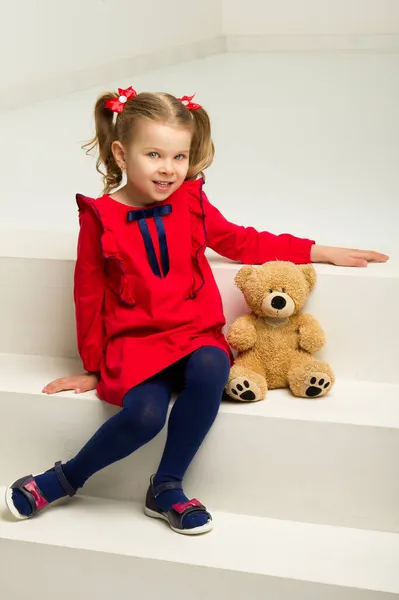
(118, 104)
(186, 100)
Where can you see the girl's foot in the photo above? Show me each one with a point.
(29, 495)
(167, 501)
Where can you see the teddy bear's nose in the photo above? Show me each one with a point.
(279, 302)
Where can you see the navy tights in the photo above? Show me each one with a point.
(201, 376)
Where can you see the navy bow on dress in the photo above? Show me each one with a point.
(157, 212)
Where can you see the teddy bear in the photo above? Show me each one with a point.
(276, 341)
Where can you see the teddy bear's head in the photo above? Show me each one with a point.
(276, 289)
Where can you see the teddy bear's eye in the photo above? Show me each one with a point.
(271, 291)
(283, 290)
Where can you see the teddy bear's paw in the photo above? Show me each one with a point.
(242, 388)
(317, 385)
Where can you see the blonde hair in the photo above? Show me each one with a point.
(160, 107)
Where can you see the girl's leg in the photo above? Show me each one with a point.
(142, 417)
(206, 374)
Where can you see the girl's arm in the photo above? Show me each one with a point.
(249, 246)
(89, 290)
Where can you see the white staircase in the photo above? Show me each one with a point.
(304, 493)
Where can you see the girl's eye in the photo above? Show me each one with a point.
(180, 157)
(153, 154)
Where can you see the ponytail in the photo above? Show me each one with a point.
(202, 150)
(102, 141)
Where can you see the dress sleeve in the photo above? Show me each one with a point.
(89, 290)
(249, 246)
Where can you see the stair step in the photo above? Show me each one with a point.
(331, 461)
(350, 402)
(258, 556)
(351, 304)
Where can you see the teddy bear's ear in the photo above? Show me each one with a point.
(242, 276)
(309, 274)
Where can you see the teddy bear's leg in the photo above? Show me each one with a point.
(245, 385)
(310, 378)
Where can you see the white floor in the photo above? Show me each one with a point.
(305, 143)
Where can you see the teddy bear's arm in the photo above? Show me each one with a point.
(242, 333)
(311, 336)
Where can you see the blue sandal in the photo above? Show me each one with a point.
(176, 514)
(34, 495)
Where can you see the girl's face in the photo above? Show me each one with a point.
(156, 162)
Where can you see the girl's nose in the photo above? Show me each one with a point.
(167, 167)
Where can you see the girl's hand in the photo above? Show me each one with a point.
(345, 257)
(77, 383)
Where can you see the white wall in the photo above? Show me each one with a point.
(45, 40)
(41, 39)
(310, 17)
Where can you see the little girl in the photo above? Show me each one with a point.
(149, 314)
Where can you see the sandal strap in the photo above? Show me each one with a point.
(164, 487)
(191, 505)
(31, 491)
(179, 511)
(68, 489)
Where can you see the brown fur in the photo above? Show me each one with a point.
(276, 342)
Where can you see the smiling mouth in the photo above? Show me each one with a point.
(163, 185)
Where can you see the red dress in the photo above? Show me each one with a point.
(145, 295)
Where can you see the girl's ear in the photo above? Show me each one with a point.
(119, 154)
